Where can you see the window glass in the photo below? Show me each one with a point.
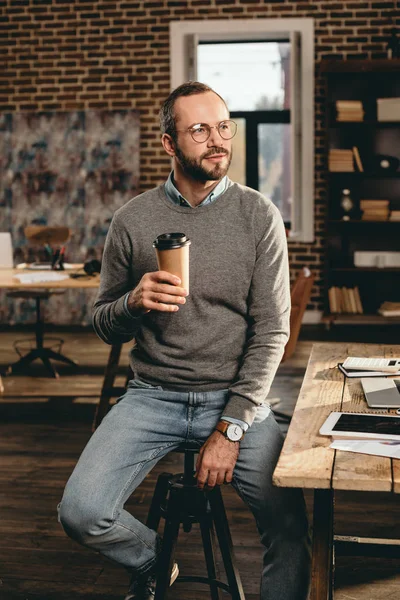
(274, 165)
(237, 170)
(248, 75)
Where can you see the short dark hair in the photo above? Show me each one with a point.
(167, 112)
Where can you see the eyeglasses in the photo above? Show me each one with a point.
(202, 131)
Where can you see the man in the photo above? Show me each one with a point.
(203, 363)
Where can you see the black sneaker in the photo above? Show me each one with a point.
(144, 588)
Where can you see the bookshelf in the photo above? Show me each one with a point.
(352, 88)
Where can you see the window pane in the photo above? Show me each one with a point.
(274, 165)
(248, 75)
(237, 170)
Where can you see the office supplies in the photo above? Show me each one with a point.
(366, 426)
(389, 365)
(371, 447)
(357, 373)
(381, 392)
(40, 277)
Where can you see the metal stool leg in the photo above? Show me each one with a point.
(225, 544)
(166, 559)
(159, 497)
(207, 535)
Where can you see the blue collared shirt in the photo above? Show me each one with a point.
(176, 197)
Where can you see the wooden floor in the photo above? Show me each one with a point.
(44, 426)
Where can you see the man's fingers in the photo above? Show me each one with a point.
(165, 298)
(202, 477)
(160, 306)
(212, 479)
(221, 478)
(165, 277)
(165, 288)
(228, 476)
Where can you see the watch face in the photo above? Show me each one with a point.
(234, 432)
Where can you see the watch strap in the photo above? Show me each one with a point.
(222, 427)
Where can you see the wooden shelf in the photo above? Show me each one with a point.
(376, 65)
(353, 319)
(363, 81)
(366, 269)
(369, 122)
(365, 175)
(352, 221)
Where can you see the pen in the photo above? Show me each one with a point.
(49, 251)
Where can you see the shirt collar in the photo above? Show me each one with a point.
(176, 197)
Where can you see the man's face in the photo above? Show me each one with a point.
(209, 160)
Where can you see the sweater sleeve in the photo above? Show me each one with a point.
(268, 323)
(112, 321)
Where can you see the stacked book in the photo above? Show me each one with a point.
(349, 110)
(341, 161)
(394, 215)
(375, 210)
(345, 300)
(389, 309)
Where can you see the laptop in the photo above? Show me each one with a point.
(6, 251)
(381, 392)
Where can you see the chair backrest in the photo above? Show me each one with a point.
(300, 295)
(44, 234)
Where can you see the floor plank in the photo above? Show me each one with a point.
(44, 428)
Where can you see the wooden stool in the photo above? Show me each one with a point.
(178, 500)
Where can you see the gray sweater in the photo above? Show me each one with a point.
(232, 331)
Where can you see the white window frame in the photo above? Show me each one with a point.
(184, 37)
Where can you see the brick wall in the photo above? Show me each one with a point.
(66, 54)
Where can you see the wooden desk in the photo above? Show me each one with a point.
(8, 281)
(307, 461)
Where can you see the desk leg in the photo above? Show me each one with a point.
(108, 382)
(322, 551)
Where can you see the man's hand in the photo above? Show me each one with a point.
(157, 291)
(216, 461)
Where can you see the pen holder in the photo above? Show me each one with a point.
(57, 263)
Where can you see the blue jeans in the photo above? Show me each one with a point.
(147, 423)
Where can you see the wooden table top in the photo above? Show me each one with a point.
(306, 461)
(8, 280)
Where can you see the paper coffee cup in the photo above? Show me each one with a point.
(172, 251)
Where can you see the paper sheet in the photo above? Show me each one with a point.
(40, 277)
(374, 447)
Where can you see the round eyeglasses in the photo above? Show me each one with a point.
(202, 131)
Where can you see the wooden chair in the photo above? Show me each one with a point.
(299, 295)
(41, 235)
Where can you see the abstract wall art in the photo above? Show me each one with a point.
(65, 168)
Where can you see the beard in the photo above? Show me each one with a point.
(192, 167)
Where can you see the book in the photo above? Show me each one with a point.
(389, 309)
(358, 158)
(359, 305)
(364, 203)
(352, 299)
(358, 373)
(332, 300)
